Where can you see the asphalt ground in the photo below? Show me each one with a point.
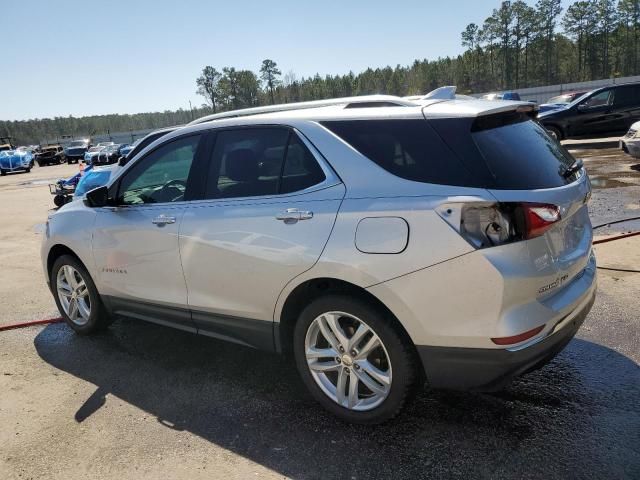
(144, 401)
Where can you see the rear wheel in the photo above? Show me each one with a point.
(555, 132)
(353, 360)
(77, 297)
(3, 172)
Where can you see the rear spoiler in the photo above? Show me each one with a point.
(477, 108)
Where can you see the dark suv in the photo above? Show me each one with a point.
(74, 152)
(608, 110)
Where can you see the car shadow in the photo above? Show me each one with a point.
(550, 424)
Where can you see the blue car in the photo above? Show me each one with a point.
(124, 151)
(15, 161)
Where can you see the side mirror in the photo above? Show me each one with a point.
(98, 197)
(583, 107)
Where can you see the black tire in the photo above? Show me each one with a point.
(59, 200)
(99, 319)
(27, 170)
(400, 352)
(3, 172)
(555, 132)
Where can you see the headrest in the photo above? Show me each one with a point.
(242, 165)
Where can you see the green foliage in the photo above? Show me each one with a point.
(520, 44)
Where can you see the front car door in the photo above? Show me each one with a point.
(135, 244)
(593, 114)
(269, 207)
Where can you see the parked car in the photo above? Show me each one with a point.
(125, 150)
(143, 143)
(377, 245)
(605, 111)
(50, 155)
(92, 153)
(109, 155)
(630, 143)
(560, 101)
(74, 151)
(5, 144)
(15, 161)
(502, 96)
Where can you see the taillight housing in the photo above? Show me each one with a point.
(486, 225)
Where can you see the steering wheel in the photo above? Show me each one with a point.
(170, 191)
(171, 183)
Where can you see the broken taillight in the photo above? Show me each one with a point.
(490, 224)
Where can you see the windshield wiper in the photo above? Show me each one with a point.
(575, 166)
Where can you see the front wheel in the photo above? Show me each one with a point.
(77, 297)
(353, 359)
(3, 172)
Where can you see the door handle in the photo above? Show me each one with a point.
(162, 220)
(292, 215)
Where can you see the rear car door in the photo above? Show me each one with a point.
(267, 213)
(135, 244)
(626, 107)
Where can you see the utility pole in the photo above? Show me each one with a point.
(191, 108)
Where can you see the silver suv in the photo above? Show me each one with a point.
(378, 241)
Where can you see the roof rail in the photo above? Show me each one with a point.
(350, 102)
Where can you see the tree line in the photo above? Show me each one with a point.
(520, 44)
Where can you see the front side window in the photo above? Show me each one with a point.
(599, 100)
(252, 162)
(161, 176)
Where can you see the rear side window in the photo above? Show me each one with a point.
(627, 96)
(252, 162)
(301, 170)
(409, 149)
(506, 151)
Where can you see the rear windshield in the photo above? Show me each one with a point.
(520, 155)
(505, 151)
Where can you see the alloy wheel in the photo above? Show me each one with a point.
(73, 295)
(348, 361)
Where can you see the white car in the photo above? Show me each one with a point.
(92, 153)
(376, 241)
(630, 143)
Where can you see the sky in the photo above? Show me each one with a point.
(73, 57)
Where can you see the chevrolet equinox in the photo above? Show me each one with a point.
(378, 242)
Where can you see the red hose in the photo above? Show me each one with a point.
(29, 324)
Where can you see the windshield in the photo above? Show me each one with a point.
(95, 149)
(560, 99)
(77, 144)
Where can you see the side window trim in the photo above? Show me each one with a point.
(116, 186)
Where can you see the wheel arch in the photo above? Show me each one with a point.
(312, 289)
(56, 252)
